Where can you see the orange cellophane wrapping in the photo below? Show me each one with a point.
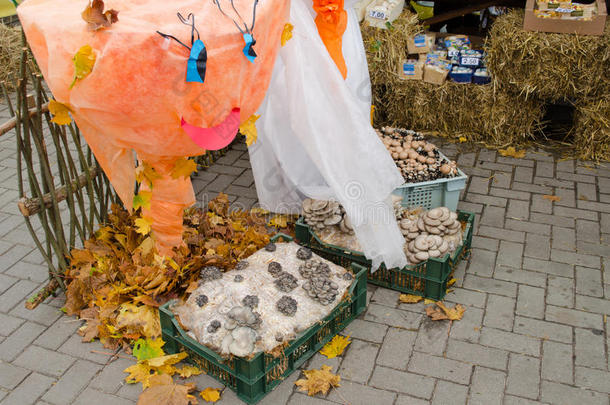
(137, 92)
(332, 22)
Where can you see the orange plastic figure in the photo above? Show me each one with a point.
(332, 22)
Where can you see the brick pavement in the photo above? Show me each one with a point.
(537, 292)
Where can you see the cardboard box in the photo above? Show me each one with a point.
(381, 12)
(595, 26)
(360, 8)
(411, 69)
(435, 74)
(421, 43)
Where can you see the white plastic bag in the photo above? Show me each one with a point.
(315, 138)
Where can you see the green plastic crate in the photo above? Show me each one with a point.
(252, 379)
(427, 279)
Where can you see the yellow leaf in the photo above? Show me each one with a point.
(287, 33)
(428, 301)
(210, 394)
(139, 372)
(259, 211)
(410, 298)
(142, 200)
(215, 219)
(142, 319)
(188, 371)
(248, 129)
(83, 61)
(462, 139)
(238, 227)
(163, 391)
(147, 246)
(512, 152)
(60, 113)
(335, 347)
(145, 172)
(168, 360)
(143, 225)
(453, 314)
(279, 221)
(555, 198)
(318, 381)
(184, 167)
(451, 282)
(144, 349)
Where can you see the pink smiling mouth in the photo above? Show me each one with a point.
(217, 137)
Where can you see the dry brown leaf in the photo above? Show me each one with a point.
(163, 391)
(410, 298)
(442, 312)
(96, 18)
(318, 381)
(552, 197)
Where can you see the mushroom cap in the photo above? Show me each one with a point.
(318, 205)
(243, 339)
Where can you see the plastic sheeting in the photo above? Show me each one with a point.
(315, 138)
(137, 92)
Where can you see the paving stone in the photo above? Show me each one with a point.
(509, 254)
(524, 174)
(487, 387)
(408, 400)
(130, 391)
(590, 348)
(516, 162)
(9, 324)
(29, 271)
(403, 382)
(397, 348)
(510, 341)
(353, 393)
(74, 347)
(537, 246)
(567, 197)
(111, 377)
(555, 393)
(503, 234)
(523, 376)
(359, 361)
(594, 249)
(72, 382)
(481, 242)
(440, 367)
(466, 159)
(530, 227)
(575, 258)
(596, 380)
(518, 209)
(431, 337)
(493, 216)
(590, 304)
(501, 179)
(13, 345)
(575, 177)
(544, 169)
(6, 282)
(511, 194)
(469, 328)
(496, 166)
(530, 302)
(500, 312)
(54, 363)
(543, 329)
(586, 191)
(564, 238)
(386, 297)
(573, 317)
(16, 294)
(55, 335)
(11, 376)
(470, 207)
(29, 390)
(392, 317)
(220, 183)
(553, 182)
(592, 206)
(520, 276)
(449, 393)
(485, 199)
(482, 262)
(90, 396)
(587, 231)
(279, 395)
(541, 204)
(364, 330)
(544, 266)
(490, 285)
(565, 166)
(512, 400)
(557, 363)
(43, 314)
(605, 223)
(477, 354)
(589, 282)
(466, 297)
(533, 188)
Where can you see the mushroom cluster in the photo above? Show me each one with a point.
(242, 322)
(286, 282)
(417, 159)
(318, 285)
(320, 214)
(287, 305)
(431, 234)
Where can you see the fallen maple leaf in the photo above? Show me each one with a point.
(462, 139)
(555, 198)
(512, 152)
(142, 200)
(163, 391)
(279, 221)
(248, 129)
(318, 381)
(428, 301)
(83, 60)
(144, 349)
(142, 319)
(410, 298)
(335, 347)
(60, 113)
(188, 371)
(210, 394)
(453, 314)
(145, 172)
(287, 33)
(143, 225)
(184, 167)
(96, 18)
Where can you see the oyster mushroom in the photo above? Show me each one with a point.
(287, 305)
(240, 342)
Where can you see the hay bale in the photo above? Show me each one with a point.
(547, 65)
(10, 54)
(591, 131)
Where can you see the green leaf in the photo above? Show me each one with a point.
(144, 349)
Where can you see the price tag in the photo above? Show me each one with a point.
(470, 61)
(419, 40)
(380, 15)
(564, 10)
(408, 69)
